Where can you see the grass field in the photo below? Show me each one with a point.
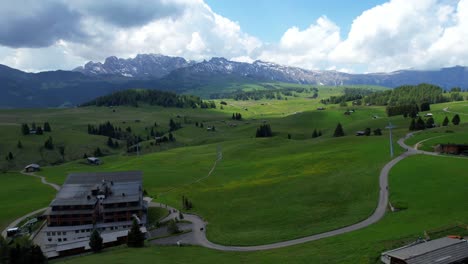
(417, 180)
(21, 194)
(264, 189)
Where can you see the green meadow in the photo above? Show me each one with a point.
(263, 190)
(433, 187)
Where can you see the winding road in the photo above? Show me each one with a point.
(199, 225)
(198, 235)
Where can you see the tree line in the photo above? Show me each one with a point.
(38, 130)
(350, 94)
(271, 94)
(133, 97)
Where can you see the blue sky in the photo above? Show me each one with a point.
(269, 19)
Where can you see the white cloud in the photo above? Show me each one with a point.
(395, 35)
(308, 48)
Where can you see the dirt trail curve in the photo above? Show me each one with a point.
(43, 180)
(200, 225)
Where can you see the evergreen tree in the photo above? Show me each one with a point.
(95, 241)
(456, 119)
(289, 136)
(201, 125)
(420, 125)
(85, 156)
(314, 134)
(430, 122)
(97, 152)
(19, 145)
(10, 156)
(367, 131)
(25, 129)
(37, 257)
(33, 126)
(171, 137)
(110, 143)
(135, 237)
(378, 132)
(49, 144)
(319, 134)
(62, 152)
(47, 127)
(233, 116)
(412, 126)
(39, 131)
(338, 131)
(446, 121)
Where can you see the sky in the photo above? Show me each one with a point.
(350, 36)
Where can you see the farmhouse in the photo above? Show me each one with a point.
(94, 160)
(107, 202)
(360, 133)
(456, 149)
(32, 168)
(441, 251)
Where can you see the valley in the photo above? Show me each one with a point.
(263, 190)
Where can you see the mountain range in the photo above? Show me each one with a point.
(69, 88)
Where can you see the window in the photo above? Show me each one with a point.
(49, 239)
(65, 239)
(77, 231)
(64, 233)
(48, 233)
(53, 233)
(59, 240)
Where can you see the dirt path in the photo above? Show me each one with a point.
(43, 180)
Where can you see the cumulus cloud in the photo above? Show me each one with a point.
(395, 35)
(308, 48)
(130, 13)
(28, 23)
(187, 28)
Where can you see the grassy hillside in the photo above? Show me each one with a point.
(264, 189)
(416, 180)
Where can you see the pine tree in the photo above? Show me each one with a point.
(19, 145)
(338, 131)
(430, 122)
(314, 134)
(445, 122)
(319, 134)
(47, 127)
(171, 137)
(39, 131)
(95, 241)
(367, 131)
(412, 126)
(289, 136)
(378, 132)
(97, 152)
(233, 116)
(135, 237)
(110, 143)
(62, 152)
(456, 120)
(420, 125)
(49, 144)
(10, 156)
(25, 129)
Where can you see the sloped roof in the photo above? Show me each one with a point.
(441, 251)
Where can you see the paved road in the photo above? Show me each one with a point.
(17, 221)
(198, 235)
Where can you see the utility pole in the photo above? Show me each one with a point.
(390, 126)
